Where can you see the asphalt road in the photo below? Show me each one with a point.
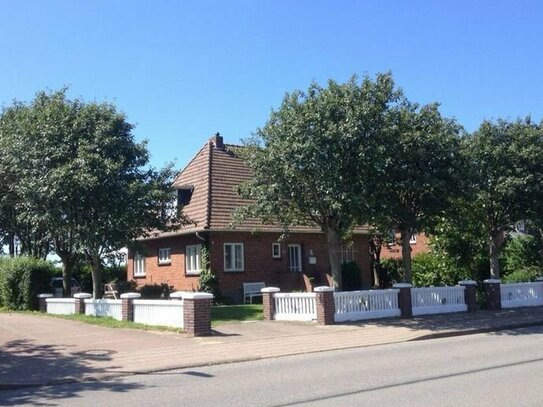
(496, 369)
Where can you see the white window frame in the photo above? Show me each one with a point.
(413, 239)
(296, 268)
(276, 250)
(193, 259)
(347, 252)
(165, 255)
(230, 248)
(139, 265)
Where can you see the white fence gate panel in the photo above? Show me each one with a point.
(159, 312)
(521, 294)
(60, 306)
(104, 308)
(360, 305)
(295, 306)
(438, 300)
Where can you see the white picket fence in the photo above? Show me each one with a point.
(295, 306)
(438, 300)
(360, 305)
(159, 312)
(521, 294)
(104, 308)
(60, 306)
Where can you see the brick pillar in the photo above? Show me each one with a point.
(42, 301)
(268, 303)
(404, 299)
(326, 306)
(493, 294)
(128, 306)
(470, 294)
(80, 302)
(197, 313)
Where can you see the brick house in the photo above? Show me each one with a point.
(252, 252)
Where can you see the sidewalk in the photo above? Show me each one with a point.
(41, 350)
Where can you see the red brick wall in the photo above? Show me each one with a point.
(259, 264)
(395, 251)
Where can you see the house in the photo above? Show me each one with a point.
(251, 252)
(392, 249)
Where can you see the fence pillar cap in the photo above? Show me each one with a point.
(467, 282)
(492, 281)
(270, 290)
(323, 289)
(197, 296)
(130, 295)
(539, 279)
(82, 295)
(45, 295)
(402, 285)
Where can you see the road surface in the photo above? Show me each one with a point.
(497, 369)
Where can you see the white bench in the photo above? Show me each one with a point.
(251, 290)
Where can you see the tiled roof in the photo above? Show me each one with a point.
(215, 173)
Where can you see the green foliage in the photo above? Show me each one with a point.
(521, 252)
(155, 291)
(21, 280)
(523, 275)
(433, 269)
(208, 281)
(246, 312)
(391, 271)
(351, 276)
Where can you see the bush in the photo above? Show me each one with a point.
(433, 269)
(523, 275)
(22, 279)
(350, 276)
(155, 291)
(391, 272)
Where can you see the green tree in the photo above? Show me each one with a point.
(422, 173)
(316, 159)
(506, 163)
(82, 175)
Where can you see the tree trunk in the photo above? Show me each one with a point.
(96, 269)
(68, 265)
(406, 256)
(11, 244)
(375, 244)
(497, 238)
(334, 246)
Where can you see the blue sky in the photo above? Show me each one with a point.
(183, 70)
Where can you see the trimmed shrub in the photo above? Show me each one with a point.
(22, 279)
(524, 275)
(350, 275)
(155, 291)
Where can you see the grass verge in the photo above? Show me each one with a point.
(232, 313)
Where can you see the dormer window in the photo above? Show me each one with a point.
(184, 194)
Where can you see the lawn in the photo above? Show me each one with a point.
(230, 313)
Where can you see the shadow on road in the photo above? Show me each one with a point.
(25, 367)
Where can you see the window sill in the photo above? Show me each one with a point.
(164, 263)
(234, 271)
(193, 273)
(140, 276)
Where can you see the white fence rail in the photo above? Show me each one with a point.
(295, 306)
(359, 305)
(438, 300)
(104, 308)
(159, 312)
(521, 294)
(60, 306)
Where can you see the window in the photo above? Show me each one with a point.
(295, 257)
(276, 250)
(193, 259)
(413, 239)
(139, 265)
(164, 256)
(233, 257)
(347, 252)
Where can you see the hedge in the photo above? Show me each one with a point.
(21, 280)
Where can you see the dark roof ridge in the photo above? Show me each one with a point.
(207, 220)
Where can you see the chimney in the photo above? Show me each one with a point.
(216, 140)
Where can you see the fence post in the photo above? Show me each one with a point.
(404, 299)
(493, 294)
(268, 303)
(325, 304)
(128, 305)
(197, 313)
(80, 302)
(470, 294)
(42, 301)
